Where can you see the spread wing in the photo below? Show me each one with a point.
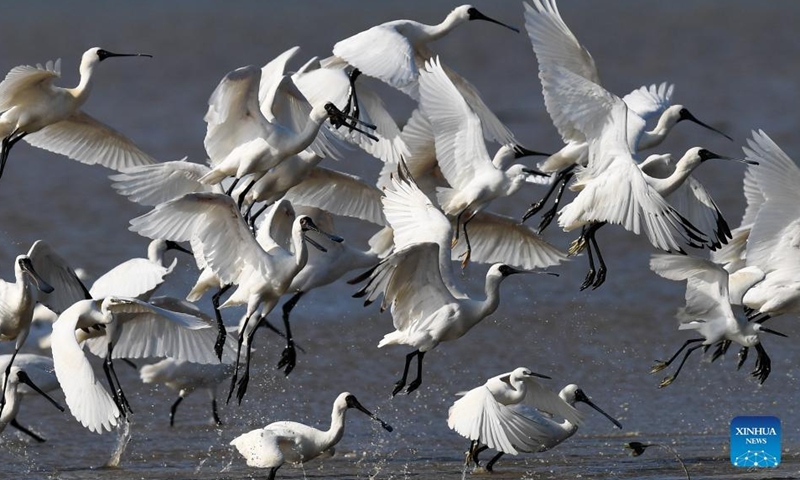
(340, 194)
(383, 53)
(82, 138)
(25, 77)
(160, 182)
(220, 237)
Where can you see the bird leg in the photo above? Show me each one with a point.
(217, 421)
(668, 380)
(272, 472)
(402, 382)
(417, 381)
(722, 348)
(661, 365)
(466, 255)
(601, 271)
(233, 185)
(116, 386)
(251, 220)
(565, 176)
(221, 333)
(458, 227)
(27, 432)
(490, 465)
(172, 411)
(352, 98)
(243, 194)
(763, 364)
(289, 355)
(559, 181)
(7, 143)
(742, 356)
(594, 278)
(476, 450)
(242, 389)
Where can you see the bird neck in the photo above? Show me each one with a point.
(492, 290)
(306, 136)
(684, 168)
(653, 137)
(435, 32)
(300, 249)
(11, 404)
(81, 92)
(334, 434)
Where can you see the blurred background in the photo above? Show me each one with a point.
(733, 64)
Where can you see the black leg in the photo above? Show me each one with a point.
(722, 349)
(7, 143)
(550, 214)
(601, 270)
(458, 229)
(173, 410)
(233, 185)
(352, 97)
(219, 345)
(272, 472)
(417, 381)
(742, 356)
(559, 181)
(243, 194)
(120, 393)
(252, 220)
(478, 450)
(668, 380)
(289, 355)
(402, 382)
(661, 365)
(112, 386)
(215, 413)
(589, 279)
(238, 357)
(242, 389)
(763, 364)
(490, 465)
(468, 253)
(27, 432)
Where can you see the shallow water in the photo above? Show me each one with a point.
(733, 64)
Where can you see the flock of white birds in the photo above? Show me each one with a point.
(258, 220)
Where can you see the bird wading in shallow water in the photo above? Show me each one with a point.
(295, 443)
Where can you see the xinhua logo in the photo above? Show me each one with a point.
(755, 442)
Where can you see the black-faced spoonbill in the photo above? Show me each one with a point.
(50, 117)
(771, 250)
(262, 268)
(141, 328)
(40, 269)
(612, 188)
(138, 277)
(187, 377)
(502, 415)
(394, 52)
(296, 443)
(555, 44)
(475, 180)
(417, 280)
(241, 140)
(708, 311)
(30, 374)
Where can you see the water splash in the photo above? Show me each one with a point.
(123, 437)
